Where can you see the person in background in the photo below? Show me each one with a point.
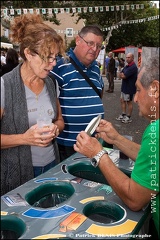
(3, 58)
(116, 67)
(121, 63)
(128, 89)
(79, 101)
(143, 185)
(121, 66)
(111, 71)
(99, 64)
(11, 61)
(106, 66)
(27, 93)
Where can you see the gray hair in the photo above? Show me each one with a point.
(150, 71)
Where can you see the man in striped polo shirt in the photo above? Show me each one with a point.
(79, 101)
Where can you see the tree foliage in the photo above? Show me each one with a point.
(137, 34)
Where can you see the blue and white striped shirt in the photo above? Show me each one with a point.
(79, 102)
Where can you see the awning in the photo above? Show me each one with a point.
(122, 49)
(6, 45)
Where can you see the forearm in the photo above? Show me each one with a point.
(59, 121)
(116, 178)
(60, 124)
(132, 194)
(126, 146)
(13, 140)
(108, 133)
(122, 75)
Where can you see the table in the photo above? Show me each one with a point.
(71, 201)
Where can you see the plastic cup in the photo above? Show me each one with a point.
(44, 122)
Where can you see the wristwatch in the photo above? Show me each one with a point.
(95, 160)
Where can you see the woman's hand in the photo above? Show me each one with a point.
(36, 136)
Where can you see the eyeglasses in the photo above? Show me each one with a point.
(52, 59)
(49, 59)
(92, 44)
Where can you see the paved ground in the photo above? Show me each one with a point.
(113, 109)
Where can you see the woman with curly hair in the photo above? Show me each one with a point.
(27, 93)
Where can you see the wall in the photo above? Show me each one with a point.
(66, 21)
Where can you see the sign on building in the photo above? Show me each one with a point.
(69, 32)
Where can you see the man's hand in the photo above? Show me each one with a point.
(86, 145)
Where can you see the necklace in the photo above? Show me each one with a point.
(36, 97)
